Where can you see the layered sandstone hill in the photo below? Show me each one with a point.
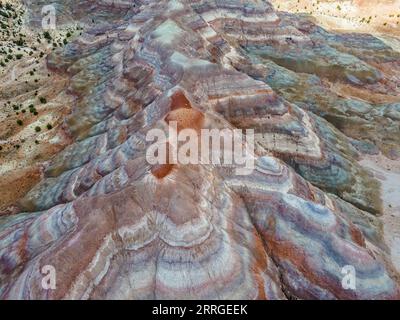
(114, 226)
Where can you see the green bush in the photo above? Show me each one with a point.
(47, 35)
(42, 100)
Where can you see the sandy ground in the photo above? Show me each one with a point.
(388, 173)
(379, 17)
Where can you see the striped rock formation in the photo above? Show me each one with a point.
(116, 227)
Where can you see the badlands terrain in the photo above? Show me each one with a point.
(319, 86)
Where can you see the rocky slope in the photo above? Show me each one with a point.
(114, 226)
(33, 103)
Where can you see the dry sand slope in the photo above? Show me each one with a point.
(371, 16)
(388, 172)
